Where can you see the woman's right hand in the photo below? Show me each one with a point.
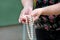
(36, 13)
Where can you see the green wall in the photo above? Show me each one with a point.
(9, 11)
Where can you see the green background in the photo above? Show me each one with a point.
(9, 12)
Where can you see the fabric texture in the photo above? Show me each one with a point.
(47, 25)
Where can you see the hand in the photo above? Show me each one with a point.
(36, 13)
(26, 11)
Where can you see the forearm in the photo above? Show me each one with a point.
(27, 3)
(51, 10)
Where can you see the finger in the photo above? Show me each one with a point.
(19, 20)
(34, 13)
(35, 18)
(27, 18)
(22, 16)
(22, 19)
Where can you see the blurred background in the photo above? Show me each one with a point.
(10, 29)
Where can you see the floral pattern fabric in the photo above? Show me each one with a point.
(51, 22)
(43, 3)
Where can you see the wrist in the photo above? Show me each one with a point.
(43, 11)
(40, 11)
(28, 7)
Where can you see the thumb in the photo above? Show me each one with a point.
(34, 15)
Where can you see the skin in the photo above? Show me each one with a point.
(49, 10)
(28, 11)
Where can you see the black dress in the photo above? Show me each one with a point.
(47, 25)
